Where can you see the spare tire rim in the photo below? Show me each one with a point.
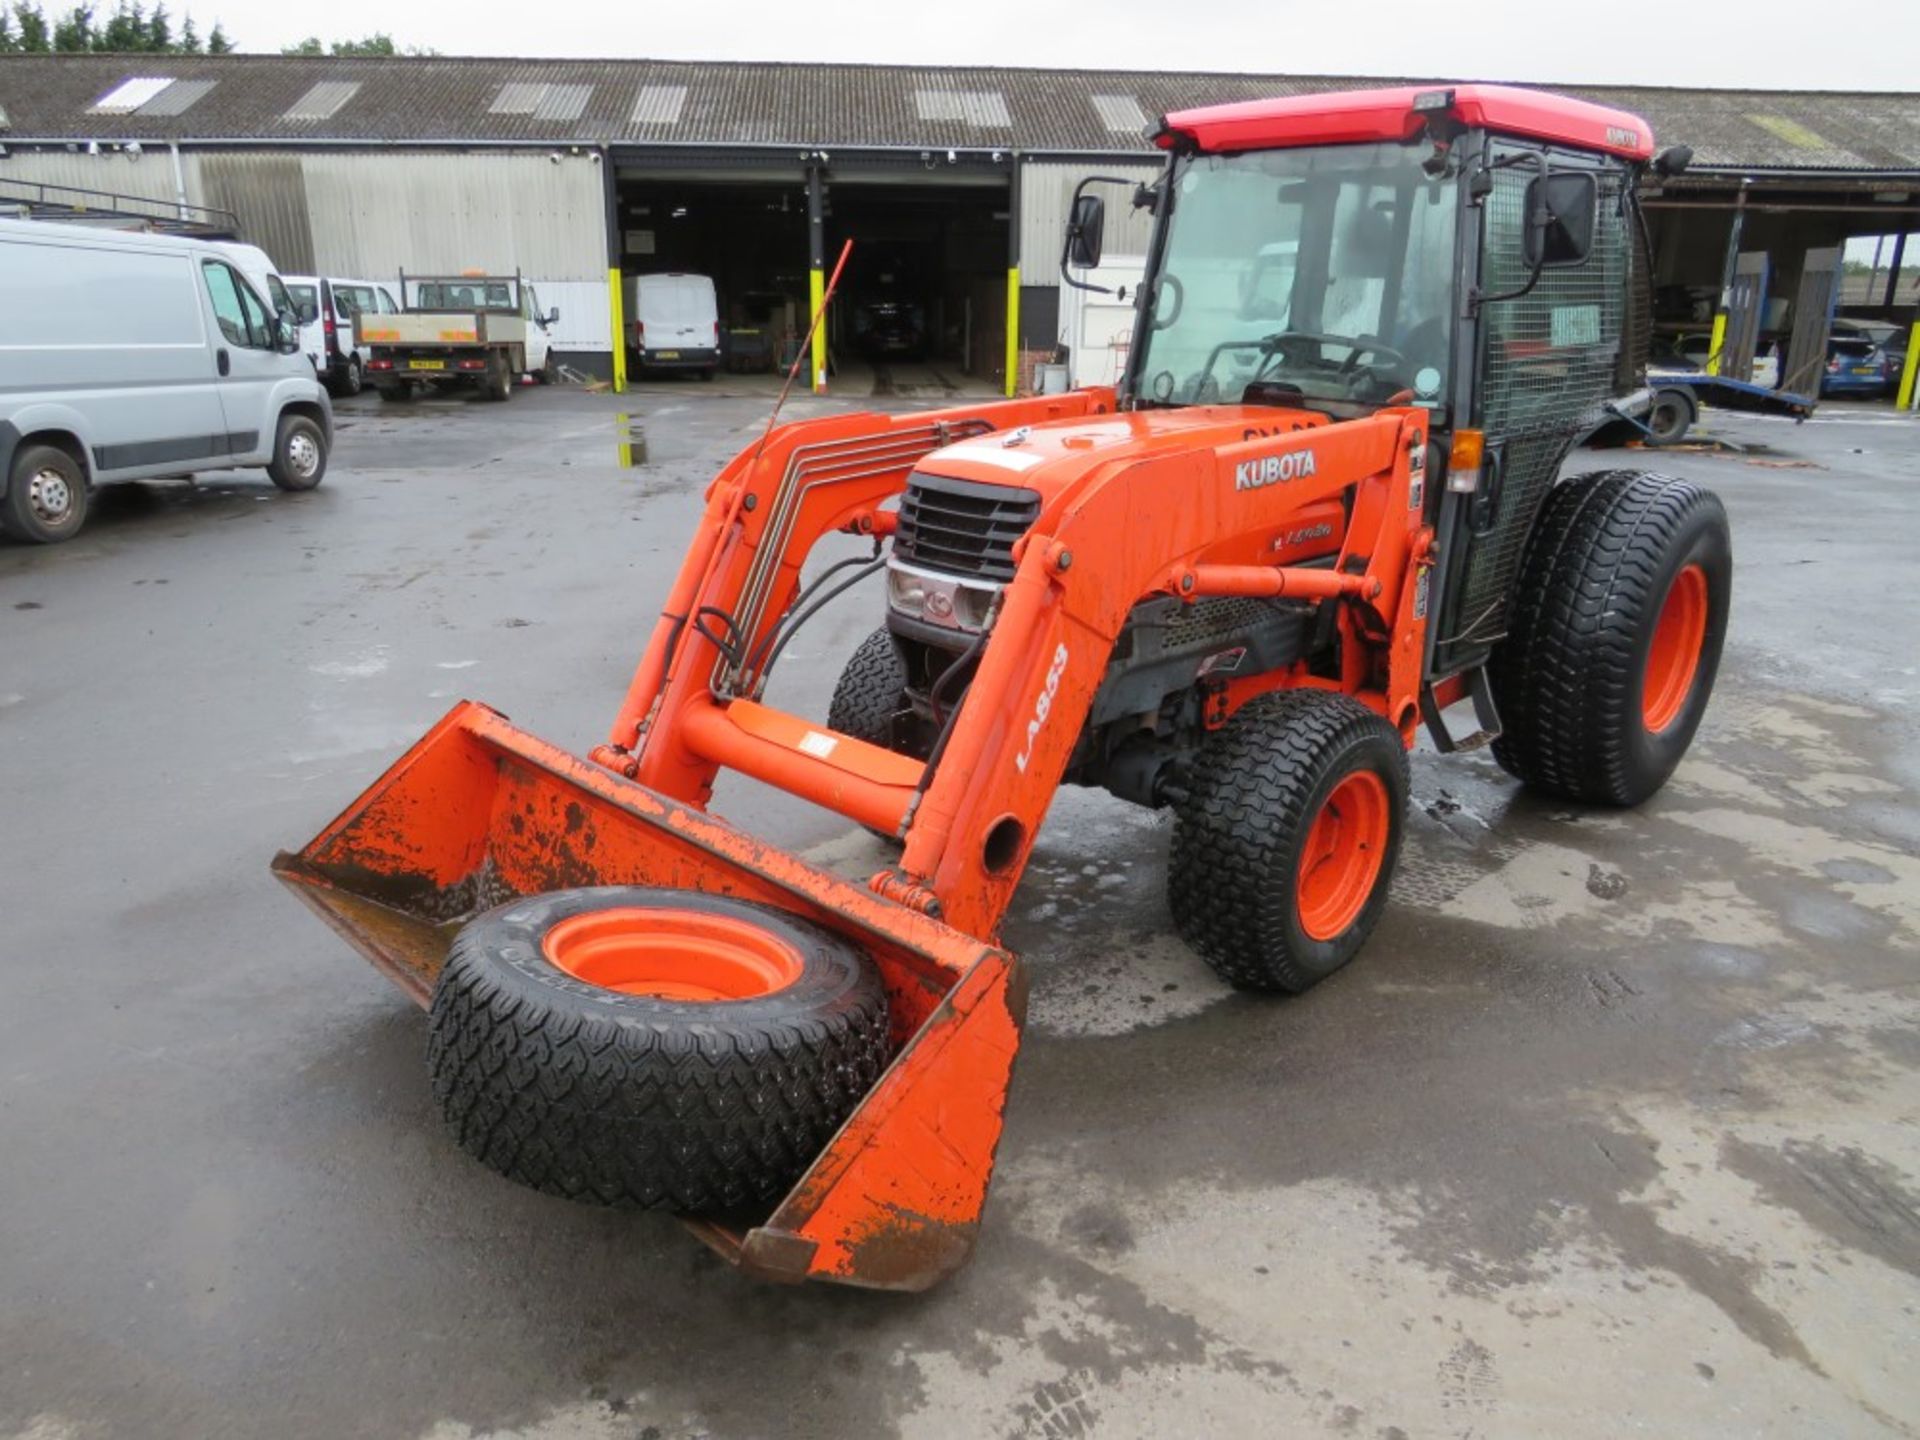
(672, 954)
(1673, 658)
(1341, 859)
(49, 496)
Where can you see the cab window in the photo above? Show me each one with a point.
(243, 319)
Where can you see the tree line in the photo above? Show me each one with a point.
(131, 29)
(26, 29)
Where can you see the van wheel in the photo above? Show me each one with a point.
(299, 454)
(352, 382)
(46, 499)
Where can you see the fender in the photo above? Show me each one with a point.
(39, 419)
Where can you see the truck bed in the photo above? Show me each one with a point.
(453, 329)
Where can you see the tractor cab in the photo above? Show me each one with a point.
(1475, 251)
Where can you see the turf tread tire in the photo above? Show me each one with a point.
(871, 692)
(1254, 788)
(1567, 678)
(636, 1103)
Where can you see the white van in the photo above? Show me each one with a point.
(132, 357)
(329, 311)
(673, 323)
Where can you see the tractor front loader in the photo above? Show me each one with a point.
(1322, 507)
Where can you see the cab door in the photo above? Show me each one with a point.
(539, 340)
(248, 364)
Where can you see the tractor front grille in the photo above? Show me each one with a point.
(962, 527)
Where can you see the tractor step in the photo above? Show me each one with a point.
(1480, 690)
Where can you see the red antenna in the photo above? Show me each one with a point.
(806, 345)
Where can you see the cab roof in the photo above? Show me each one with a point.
(1355, 116)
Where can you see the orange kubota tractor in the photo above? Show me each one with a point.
(1322, 507)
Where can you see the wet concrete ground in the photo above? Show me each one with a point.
(1612, 1128)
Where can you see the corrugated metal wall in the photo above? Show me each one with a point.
(373, 214)
(368, 215)
(269, 195)
(1045, 189)
(148, 175)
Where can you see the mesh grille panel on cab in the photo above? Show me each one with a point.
(961, 527)
(1551, 359)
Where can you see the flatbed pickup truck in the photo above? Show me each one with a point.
(474, 330)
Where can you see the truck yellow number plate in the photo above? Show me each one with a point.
(669, 354)
(426, 364)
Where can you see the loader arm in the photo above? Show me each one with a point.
(1187, 523)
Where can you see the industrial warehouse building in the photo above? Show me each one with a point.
(953, 182)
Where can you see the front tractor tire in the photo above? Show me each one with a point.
(1614, 637)
(1285, 844)
(870, 698)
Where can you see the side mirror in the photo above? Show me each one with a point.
(1560, 210)
(286, 333)
(1672, 161)
(553, 316)
(1086, 228)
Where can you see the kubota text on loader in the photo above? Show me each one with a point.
(1323, 505)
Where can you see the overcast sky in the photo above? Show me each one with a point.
(1761, 43)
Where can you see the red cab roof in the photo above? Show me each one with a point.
(1352, 116)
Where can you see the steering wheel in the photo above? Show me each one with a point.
(1373, 348)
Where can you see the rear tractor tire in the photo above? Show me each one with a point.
(1618, 618)
(1285, 844)
(654, 1049)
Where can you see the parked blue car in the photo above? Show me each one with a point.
(1854, 367)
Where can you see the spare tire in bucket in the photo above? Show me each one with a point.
(665, 1049)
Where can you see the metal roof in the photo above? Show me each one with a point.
(595, 102)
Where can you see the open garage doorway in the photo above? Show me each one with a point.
(922, 309)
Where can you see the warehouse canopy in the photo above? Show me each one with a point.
(300, 99)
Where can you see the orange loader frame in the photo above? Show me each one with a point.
(479, 812)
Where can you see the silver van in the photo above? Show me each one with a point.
(131, 357)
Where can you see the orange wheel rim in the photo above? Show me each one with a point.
(672, 954)
(1340, 862)
(1673, 659)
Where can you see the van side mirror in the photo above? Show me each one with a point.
(1560, 209)
(286, 332)
(553, 316)
(1086, 228)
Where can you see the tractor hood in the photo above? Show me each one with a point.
(1045, 458)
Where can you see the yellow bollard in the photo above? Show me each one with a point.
(1911, 370)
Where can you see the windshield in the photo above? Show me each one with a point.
(1324, 273)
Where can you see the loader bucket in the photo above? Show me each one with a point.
(478, 813)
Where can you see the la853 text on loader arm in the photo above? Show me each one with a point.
(1322, 506)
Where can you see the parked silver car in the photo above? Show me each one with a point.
(133, 356)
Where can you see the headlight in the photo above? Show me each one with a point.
(943, 600)
(906, 591)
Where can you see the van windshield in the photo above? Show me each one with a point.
(1324, 271)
